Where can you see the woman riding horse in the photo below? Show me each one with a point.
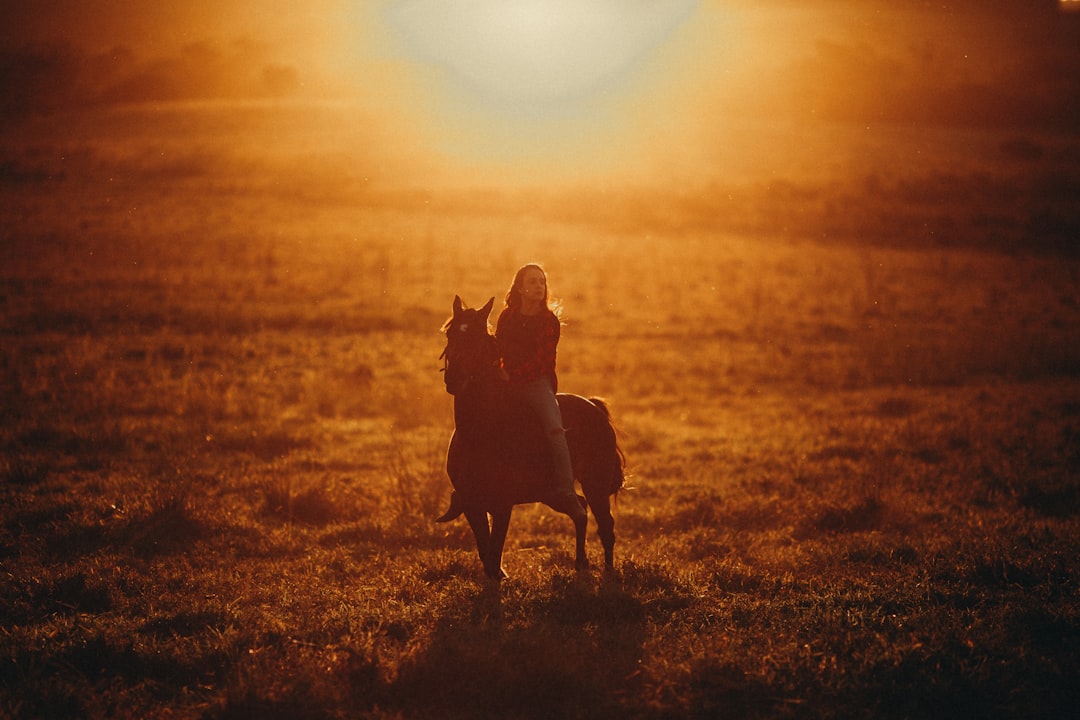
(499, 455)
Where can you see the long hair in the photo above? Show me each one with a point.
(513, 296)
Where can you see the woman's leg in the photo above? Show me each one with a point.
(541, 398)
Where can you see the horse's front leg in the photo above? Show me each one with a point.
(500, 523)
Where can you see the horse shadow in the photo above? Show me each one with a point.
(562, 651)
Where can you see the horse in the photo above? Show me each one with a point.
(498, 456)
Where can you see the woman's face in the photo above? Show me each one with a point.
(533, 286)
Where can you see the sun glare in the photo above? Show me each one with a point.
(529, 69)
(534, 52)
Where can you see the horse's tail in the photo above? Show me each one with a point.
(618, 476)
(453, 512)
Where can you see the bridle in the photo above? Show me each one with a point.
(478, 357)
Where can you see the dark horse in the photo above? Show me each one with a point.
(498, 456)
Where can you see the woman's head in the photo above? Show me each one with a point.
(530, 286)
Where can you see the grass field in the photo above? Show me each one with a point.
(855, 465)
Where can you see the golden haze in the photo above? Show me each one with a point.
(725, 91)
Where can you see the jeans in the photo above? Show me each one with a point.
(540, 397)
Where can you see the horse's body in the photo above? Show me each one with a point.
(498, 456)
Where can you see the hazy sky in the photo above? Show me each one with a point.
(505, 75)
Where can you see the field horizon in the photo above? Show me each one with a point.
(848, 395)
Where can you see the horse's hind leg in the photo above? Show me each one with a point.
(574, 506)
(581, 525)
(500, 523)
(478, 521)
(605, 525)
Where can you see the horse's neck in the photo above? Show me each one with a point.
(482, 407)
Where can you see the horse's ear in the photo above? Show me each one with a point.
(486, 310)
(457, 304)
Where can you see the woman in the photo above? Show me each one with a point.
(527, 334)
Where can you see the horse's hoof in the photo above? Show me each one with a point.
(497, 575)
(611, 578)
(582, 565)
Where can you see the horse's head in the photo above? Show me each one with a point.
(470, 351)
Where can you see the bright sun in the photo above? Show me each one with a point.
(528, 56)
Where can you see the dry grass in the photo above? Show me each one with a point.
(854, 472)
